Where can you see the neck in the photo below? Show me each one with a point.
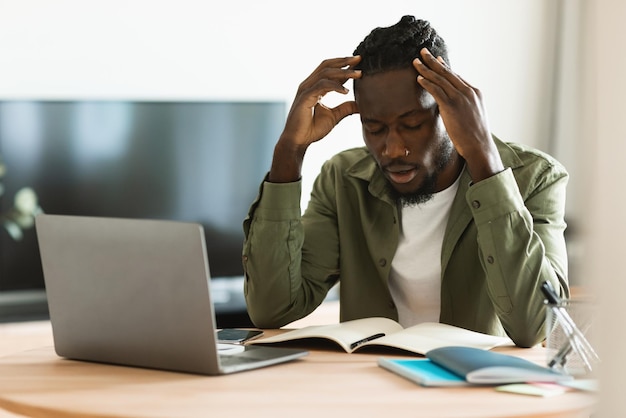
(452, 171)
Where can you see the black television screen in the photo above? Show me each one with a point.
(189, 161)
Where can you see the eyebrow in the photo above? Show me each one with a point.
(414, 112)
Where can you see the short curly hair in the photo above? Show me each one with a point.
(395, 47)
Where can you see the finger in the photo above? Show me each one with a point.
(340, 69)
(437, 71)
(464, 81)
(357, 59)
(434, 89)
(340, 62)
(337, 75)
(345, 109)
(346, 64)
(432, 82)
(314, 94)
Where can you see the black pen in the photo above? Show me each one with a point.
(550, 293)
(561, 356)
(364, 340)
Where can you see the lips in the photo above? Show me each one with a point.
(401, 174)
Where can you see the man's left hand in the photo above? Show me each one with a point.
(463, 113)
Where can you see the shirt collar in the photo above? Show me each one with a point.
(366, 169)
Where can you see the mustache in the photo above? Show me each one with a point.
(398, 164)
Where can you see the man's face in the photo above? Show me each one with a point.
(398, 115)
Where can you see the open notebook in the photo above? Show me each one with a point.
(136, 293)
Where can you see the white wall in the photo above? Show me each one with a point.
(257, 50)
(605, 88)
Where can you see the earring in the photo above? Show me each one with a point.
(406, 152)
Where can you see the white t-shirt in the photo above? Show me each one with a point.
(415, 280)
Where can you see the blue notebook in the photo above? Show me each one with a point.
(460, 366)
(422, 371)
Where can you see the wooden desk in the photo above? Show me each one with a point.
(326, 383)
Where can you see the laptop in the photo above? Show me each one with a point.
(136, 292)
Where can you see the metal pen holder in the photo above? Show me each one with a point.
(568, 334)
(569, 349)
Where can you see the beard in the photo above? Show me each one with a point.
(422, 195)
(426, 191)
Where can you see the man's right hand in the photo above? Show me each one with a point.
(309, 120)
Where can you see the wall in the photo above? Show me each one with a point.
(201, 50)
(605, 89)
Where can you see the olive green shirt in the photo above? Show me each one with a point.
(504, 238)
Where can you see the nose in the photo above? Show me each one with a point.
(394, 146)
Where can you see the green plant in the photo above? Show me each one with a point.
(21, 215)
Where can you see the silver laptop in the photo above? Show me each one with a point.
(136, 293)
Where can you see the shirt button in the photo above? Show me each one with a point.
(382, 262)
(475, 204)
(490, 259)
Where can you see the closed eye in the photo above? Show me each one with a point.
(374, 129)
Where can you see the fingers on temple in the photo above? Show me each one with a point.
(345, 109)
(434, 83)
(436, 73)
(338, 69)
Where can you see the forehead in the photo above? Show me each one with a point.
(391, 92)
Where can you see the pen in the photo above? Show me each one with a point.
(550, 293)
(364, 340)
(576, 339)
(561, 356)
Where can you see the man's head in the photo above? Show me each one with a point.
(395, 47)
(401, 123)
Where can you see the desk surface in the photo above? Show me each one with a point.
(327, 382)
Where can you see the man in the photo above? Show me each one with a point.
(434, 220)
